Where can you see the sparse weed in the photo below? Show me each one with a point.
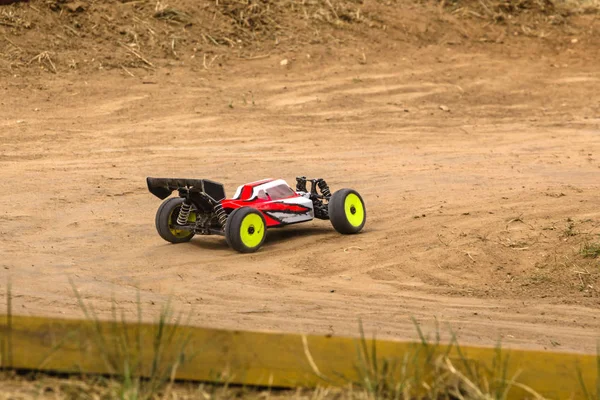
(172, 15)
(434, 371)
(245, 99)
(569, 230)
(589, 392)
(141, 377)
(590, 249)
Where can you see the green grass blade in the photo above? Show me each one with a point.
(584, 388)
(9, 350)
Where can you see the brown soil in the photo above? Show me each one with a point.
(473, 139)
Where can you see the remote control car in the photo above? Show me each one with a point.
(202, 209)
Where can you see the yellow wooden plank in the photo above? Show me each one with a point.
(253, 358)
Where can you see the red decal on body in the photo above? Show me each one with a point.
(284, 207)
(271, 221)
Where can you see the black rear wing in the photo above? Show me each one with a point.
(163, 187)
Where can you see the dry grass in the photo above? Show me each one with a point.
(580, 6)
(45, 386)
(255, 20)
(10, 54)
(43, 59)
(448, 381)
(12, 18)
(166, 13)
(162, 30)
(527, 13)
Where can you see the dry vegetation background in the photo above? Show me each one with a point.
(66, 36)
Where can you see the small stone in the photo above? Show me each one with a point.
(284, 62)
(574, 40)
(444, 108)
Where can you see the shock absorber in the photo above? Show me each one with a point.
(184, 213)
(324, 188)
(221, 214)
(301, 184)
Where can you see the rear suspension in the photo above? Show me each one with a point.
(220, 214)
(184, 213)
(210, 215)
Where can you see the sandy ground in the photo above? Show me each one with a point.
(475, 215)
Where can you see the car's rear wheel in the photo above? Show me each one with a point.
(166, 219)
(347, 211)
(245, 230)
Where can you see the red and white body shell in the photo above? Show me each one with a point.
(277, 201)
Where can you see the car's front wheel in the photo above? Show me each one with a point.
(245, 230)
(347, 211)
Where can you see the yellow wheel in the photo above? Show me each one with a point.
(347, 211)
(166, 219)
(245, 230)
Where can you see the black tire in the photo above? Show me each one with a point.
(166, 216)
(245, 230)
(347, 211)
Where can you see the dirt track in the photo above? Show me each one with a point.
(468, 210)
